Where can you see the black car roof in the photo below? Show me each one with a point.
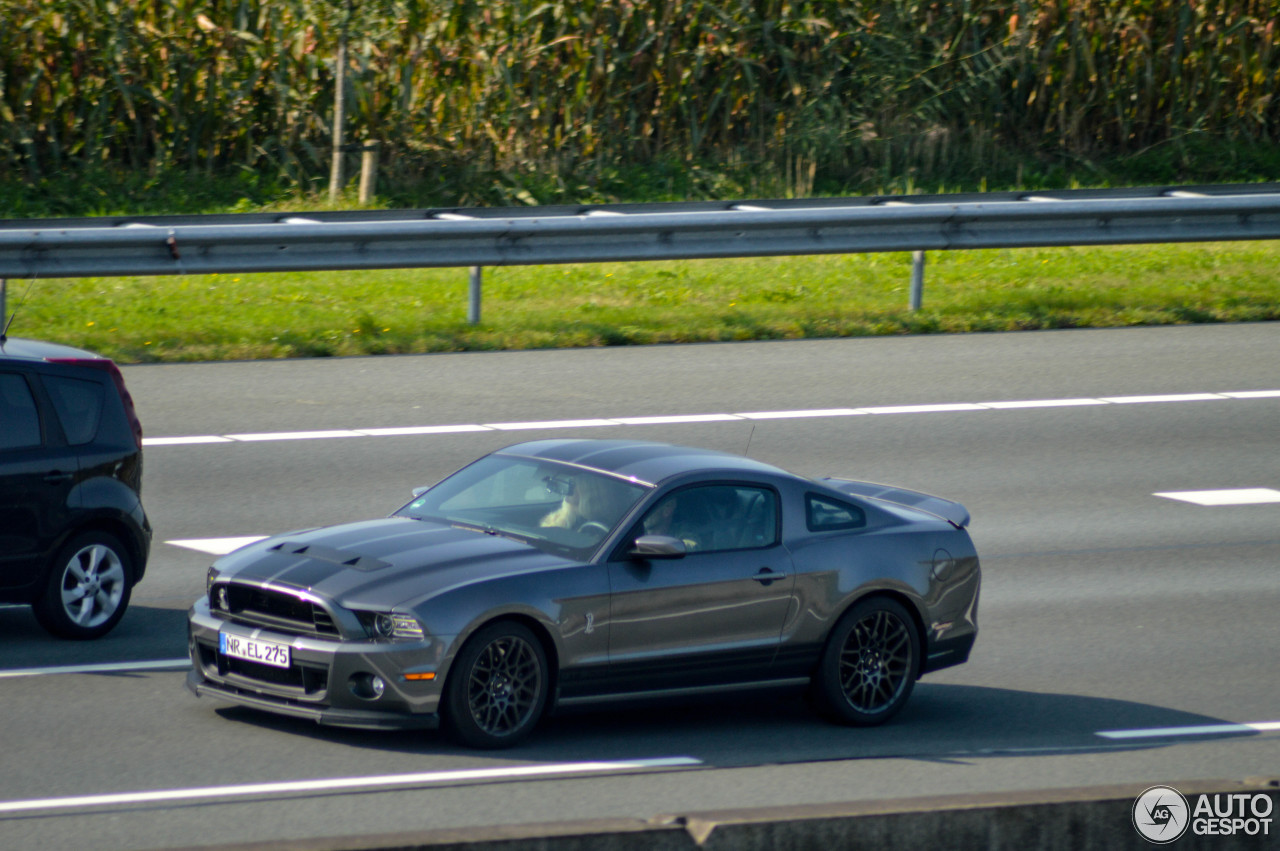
(641, 460)
(19, 348)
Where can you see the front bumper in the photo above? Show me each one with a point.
(321, 684)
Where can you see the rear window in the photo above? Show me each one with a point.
(19, 421)
(79, 406)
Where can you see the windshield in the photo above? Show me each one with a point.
(558, 506)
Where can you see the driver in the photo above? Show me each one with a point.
(589, 499)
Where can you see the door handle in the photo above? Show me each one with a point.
(766, 575)
(57, 477)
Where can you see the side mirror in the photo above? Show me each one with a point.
(658, 546)
(419, 491)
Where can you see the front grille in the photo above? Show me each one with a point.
(306, 677)
(277, 610)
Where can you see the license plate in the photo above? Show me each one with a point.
(254, 650)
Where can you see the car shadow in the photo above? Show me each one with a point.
(942, 722)
(145, 633)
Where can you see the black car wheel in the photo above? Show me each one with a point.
(869, 666)
(88, 587)
(498, 687)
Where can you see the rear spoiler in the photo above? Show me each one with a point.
(952, 512)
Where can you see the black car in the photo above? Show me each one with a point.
(566, 572)
(74, 538)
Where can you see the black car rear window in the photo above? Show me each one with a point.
(79, 406)
(19, 421)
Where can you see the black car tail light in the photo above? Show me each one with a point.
(109, 366)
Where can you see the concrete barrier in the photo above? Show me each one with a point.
(1096, 818)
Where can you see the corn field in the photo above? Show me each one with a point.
(836, 89)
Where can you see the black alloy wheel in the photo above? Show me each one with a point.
(870, 664)
(88, 587)
(498, 687)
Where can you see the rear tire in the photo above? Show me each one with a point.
(870, 664)
(497, 687)
(88, 587)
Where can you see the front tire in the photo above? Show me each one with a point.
(870, 664)
(497, 688)
(88, 587)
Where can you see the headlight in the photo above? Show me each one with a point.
(391, 625)
(210, 578)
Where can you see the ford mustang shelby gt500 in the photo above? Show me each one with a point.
(563, 572)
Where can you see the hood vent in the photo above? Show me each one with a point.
(319, 552)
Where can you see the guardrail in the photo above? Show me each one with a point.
(479, 237)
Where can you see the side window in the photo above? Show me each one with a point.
(79, 406)
(828, 515)
(715, 518)
(19, 420)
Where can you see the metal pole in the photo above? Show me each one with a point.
(917, 279)
(473, 306)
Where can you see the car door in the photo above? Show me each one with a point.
(714, 615)
(37, 477)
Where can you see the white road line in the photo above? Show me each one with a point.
(1233, 496)
(101, 668)
(673, 419)
(348, 783)
(1203, 730)
(216, 546)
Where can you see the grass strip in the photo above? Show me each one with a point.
(224, 317)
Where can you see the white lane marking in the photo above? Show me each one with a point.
(216, 546)
(1255, 394)
(348, 783)
(926, 409)
(552, 424)
(1233, 496)
(296, 435)
(790, 415)
(709, 418)
(678, 418)
(1145, 400)
(442, 429)
(1042, 403)
(1203, 730)
(185, 441)
(102, 668)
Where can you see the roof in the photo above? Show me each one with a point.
(641, 460)
(16, 347)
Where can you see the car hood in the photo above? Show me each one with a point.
(383, 563)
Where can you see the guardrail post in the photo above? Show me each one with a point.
(917, 279)
(473, 306)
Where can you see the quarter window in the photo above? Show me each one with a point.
(19, 421)
(828, 515)
(79, 406)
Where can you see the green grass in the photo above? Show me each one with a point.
(219, 317)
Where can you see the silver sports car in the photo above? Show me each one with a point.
(567, 572)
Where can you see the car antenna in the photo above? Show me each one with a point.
(747, 451)
(4, 287)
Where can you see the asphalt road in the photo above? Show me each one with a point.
(1105, 607)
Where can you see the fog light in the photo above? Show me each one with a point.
(367, 686)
